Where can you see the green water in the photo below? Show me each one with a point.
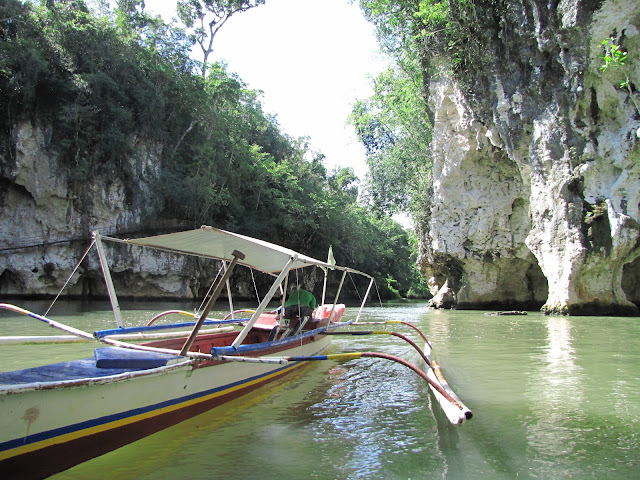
(553, 398)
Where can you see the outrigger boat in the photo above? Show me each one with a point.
(56, 416)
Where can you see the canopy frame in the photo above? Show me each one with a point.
(210, 242)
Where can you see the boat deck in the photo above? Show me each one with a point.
(109, 361)
(73, 370)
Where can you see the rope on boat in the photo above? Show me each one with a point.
(213, 284)
(93, 241)
(255, 287)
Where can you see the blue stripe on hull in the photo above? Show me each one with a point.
(70, 429)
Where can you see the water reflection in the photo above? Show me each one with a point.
(439, 329)
(378, 413)
(556, 395)
(553, 398)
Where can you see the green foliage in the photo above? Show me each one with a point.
(431, 27)
(615, 58)
(104, 84)
(393, 125)
(90, 82)
(449, 28)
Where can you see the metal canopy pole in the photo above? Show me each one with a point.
(366, 295)
(107, 279)
(214, 296)
(224, 264)
(330, 261)
(335, 301)
(324, 286)
(265, 301)
(344, 274)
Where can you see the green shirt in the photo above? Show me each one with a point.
(301, 297)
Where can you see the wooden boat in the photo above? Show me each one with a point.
(58, 415)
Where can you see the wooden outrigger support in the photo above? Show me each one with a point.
(455, 411)
(214, 296)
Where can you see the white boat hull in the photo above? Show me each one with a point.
(54, 421)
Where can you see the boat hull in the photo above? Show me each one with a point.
(48, 428)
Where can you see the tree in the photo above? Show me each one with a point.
(107, 92)
(210, 16)
(395, 124)
(394, 127)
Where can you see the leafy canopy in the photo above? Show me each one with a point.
(119, 97)
(394, 124)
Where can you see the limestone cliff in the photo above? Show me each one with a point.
(47, 221)
(536, 179)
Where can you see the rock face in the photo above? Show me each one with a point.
(41, 211)
(47, 222)
(536, 178)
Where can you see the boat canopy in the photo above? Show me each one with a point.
(210, 242)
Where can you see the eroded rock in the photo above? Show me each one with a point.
(536, 173)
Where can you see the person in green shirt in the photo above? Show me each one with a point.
(300, 303)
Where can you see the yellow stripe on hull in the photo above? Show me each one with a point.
(64, 438)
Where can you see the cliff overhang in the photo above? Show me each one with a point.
(536, 163)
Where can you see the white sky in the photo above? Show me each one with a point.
(312, 59)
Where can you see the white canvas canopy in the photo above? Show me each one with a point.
(209, 242)
(219, 244)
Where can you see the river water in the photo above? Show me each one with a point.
(552, 398)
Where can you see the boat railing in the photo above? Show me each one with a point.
(168, 326)
(125, 333)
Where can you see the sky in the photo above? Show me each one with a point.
(312, 59)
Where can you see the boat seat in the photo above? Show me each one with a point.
(116, 357)
(288, 326)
